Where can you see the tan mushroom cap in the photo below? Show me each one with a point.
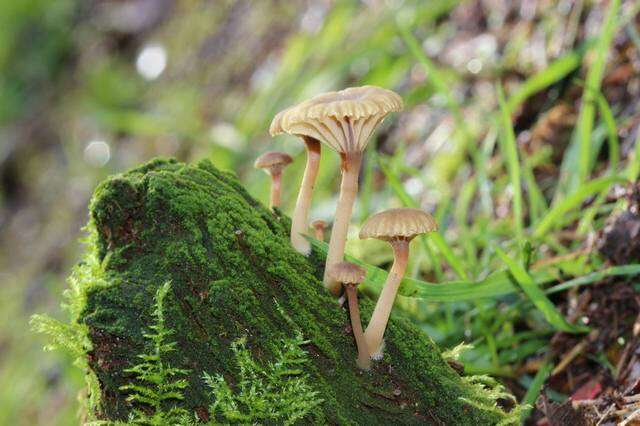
(318, 223)
(347, 273)
(272, 159)
(404, 223)
(343, 120)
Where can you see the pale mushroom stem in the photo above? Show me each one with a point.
(319, 233)
(276, 178)
(364, 359)
(380, 317)
(348, 192)
(303, 203)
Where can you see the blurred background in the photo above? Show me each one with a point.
(91, 88)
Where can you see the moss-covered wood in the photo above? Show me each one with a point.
(234, 275)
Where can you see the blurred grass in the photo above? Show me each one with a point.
(555, 216)
(510, 155)
(535, 387)
(556, 71)
(537, 297)
(68, 78)
(595, 74)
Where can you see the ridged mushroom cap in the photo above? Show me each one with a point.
(404, 223)
(273, 160)
(343, 120)
(347, 273)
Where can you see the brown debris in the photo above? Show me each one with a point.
(620, 241)
(553, 129)
(563, 414)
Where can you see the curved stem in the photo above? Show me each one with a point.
(364, 359)
(276, 178)
(303, 203)
(380, 317)
(348, 192)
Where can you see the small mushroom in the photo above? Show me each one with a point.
(273, 163)
(398, 227)
(319, 226)
(344, 121)
(351, 276)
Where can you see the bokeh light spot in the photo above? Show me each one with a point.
(151, 61)
(97, 153)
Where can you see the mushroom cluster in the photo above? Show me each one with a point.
(344, 121)
(398, 227)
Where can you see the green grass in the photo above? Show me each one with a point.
(556, 71)
(556, 215)
(586, 119)
(510, 155)
(537, 296)
(597, 276)
(633, 168)
(436, 77)
(612, 132)
(535, 387)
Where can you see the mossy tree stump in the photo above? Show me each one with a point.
(234, 275)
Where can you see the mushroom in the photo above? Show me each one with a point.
(351, 276)
(319, 226)
(279, 125)
(273, 162)
(398, 227)
(344, 121)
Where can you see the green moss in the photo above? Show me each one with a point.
(234, 276)
(279, 393)
(157, 384)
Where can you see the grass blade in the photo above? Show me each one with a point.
(584, 126)
(436, 77)
(537, 297)
(510, 152)
(537, 203)
(612, 132)
(593, 277)
(535, 387)
(614, 158)
(452, 259)
(499, 283)
(555, 72)
(633, 168)
(557, 212)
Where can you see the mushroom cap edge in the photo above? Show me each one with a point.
(397, 223)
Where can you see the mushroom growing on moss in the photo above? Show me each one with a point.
(351, 276)
(279, 125)
(344, 121)
(398, 227)
(273, 163)
(319, 226)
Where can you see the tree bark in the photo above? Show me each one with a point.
(235, 275)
